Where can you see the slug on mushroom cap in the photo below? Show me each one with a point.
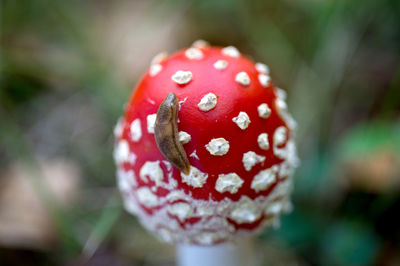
(205, 149)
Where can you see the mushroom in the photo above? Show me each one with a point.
(205, 150)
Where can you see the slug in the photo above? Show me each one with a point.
(166, 134)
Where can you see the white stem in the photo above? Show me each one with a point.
(230, 254)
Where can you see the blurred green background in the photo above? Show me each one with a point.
(67, 68)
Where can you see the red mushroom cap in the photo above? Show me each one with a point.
(238, 136)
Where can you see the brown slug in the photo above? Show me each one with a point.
(166, 134)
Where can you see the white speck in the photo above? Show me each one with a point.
(283, 188)
(220, 64)
(242, 78)
(250, 159)
(283, 112)
(280, 104)
(246, 211)
(194, 53)
(184, 137)
(152, 171)
(146, 197)
(262, 68)
(155, 69)
(230, 182)
(231, 51)
(132, 158)
(181, 210)
(274, 208)
(286, 169)
(280, 136)
(280, 93)
(130, 205)
(182, 77)
(263, 142)
(292, 158)
(151, 101)
(264, 80)
(223, 206)
(218, 146)
(136, 130)
(194, 155)
(172, 181)
(168, 165)
(118, 129)
(288, 152)
(195, 178)
(263, 110)
(205, 210)
(208, 102)
(158, 58)
(182, 102)
(242, 120)
(151, 120)
(264, 179)
(121, 152)
(177, 195)
(200, 44)
(126, 180)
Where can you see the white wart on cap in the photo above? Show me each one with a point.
(228, 182)
(194, 53)
(231, 51)
(218, 146)
(242, 78)
(182, 77)
(242, 120)
(208, 102)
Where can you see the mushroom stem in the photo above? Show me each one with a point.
(166, 134)
(232, 254)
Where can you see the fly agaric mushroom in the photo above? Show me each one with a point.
(205, 149)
